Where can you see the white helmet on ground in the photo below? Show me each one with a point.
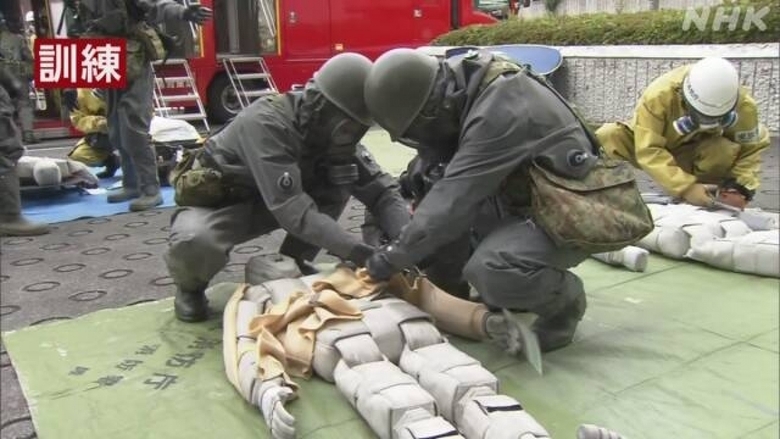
(712, 87)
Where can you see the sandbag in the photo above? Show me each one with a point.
(717, 238)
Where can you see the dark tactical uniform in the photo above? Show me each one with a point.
(493, 130)
(16, 56)
(12, 223)
(297, 155)
(130, 110)
(445, 267)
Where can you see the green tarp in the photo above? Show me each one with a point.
(681, 351)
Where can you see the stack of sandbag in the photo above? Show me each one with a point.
(717, 238)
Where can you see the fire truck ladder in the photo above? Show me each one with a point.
(177, 97)
(250, 78)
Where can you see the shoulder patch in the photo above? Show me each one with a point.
(747, 136)
(285, 182)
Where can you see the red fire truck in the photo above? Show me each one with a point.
(256, 47)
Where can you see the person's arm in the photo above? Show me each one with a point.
(380, 193)
(160, 11)
(753, 138)
(263, 146)
(650, 148)
(85, 122)
(488, 152)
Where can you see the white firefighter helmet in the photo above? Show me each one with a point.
(29, 17)
(712, 87)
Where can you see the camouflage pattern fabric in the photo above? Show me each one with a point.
(603, 212)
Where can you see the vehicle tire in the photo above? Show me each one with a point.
(223, 104)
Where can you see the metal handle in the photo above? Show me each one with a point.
(293, 17)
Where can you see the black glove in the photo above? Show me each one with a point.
(197, 14)
(379, 266)
(360, 253)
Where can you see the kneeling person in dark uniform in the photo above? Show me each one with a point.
(287, 161)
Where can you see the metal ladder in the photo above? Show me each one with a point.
(176, 97)
(245, 71)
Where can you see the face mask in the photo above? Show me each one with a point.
(695, 121)
(437, 127)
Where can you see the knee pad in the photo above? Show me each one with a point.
(385, 319)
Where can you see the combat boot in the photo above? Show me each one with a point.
(12, 223)
(149, 199)
(557, 331)
(123, 195)
(112, 165)
(191, 306)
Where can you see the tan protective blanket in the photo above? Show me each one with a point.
(286, 332)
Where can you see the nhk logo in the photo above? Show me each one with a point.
(723, 15)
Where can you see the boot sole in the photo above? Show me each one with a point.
(142, 208)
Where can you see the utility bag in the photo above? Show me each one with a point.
(602, 211)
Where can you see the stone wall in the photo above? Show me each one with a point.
(575, 7)
(605, 81)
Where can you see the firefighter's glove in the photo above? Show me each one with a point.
(197, 14)
(698, 195)
(379, 266)
(273, 395)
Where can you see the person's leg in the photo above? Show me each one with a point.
(199, 247)
(129, 189)
(12, 223)
(518, 267)
(445, 268)
(26, 115)
(134, 116)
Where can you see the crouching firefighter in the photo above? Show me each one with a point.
(130, 109)
(288, 161)
(88, 115)
(383, 353)
(526, 175)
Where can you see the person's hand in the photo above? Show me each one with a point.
(197, 14)
(732, 197)
(379, 267)
(360, 253)
(698, 195)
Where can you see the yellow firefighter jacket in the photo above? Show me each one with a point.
(90, 115)
(656, 141)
